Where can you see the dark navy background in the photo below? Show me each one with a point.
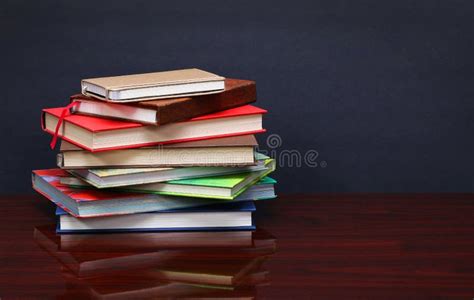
(382, 90)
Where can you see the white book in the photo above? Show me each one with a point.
(235, 215)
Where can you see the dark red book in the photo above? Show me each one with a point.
(237, 92)
(97, 134)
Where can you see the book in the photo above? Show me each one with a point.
(226, 187)
(110, 178)
(93, 203)
(224, 216)
(237, 92)
(264, 189)
(138, 87)
(98, 134)
(227, 151)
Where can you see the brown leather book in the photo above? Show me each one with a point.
(163, 111)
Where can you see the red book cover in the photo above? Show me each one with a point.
(53, 176)
(95, 124)
(78, 195)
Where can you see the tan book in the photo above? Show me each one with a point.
(139, 87)
(228, 151)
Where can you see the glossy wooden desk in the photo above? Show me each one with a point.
(328, 247)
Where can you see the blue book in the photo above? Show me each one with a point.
(216, 217)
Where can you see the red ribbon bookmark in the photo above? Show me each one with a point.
(66, 112)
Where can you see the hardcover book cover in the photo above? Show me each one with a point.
(123, 221)
(110, 88)
(234, 150)
(149, 134)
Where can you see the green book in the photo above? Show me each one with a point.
(218, 187)
(116, 177)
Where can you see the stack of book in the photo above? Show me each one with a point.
(164, 151)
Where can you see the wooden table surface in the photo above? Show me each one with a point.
(338, 246)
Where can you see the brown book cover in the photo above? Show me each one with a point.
(237, 93)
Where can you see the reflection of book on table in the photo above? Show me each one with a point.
(145, 285)
(196, 251)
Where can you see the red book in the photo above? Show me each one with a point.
(97, 134)
(80, 202)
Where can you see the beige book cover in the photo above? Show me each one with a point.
(138, 87)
